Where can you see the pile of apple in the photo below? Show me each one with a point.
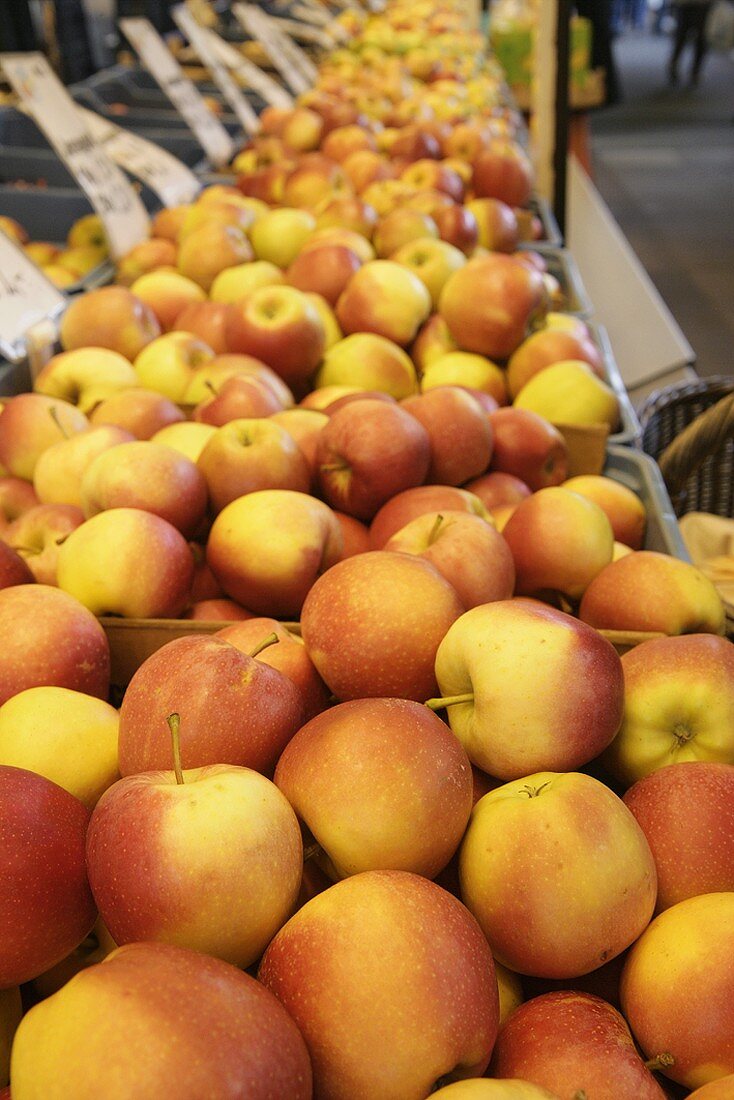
(85, 248)
(408, 824)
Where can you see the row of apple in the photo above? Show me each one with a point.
(388, 979)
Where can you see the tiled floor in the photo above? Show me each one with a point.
(664, 163)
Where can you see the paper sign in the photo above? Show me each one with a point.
(54, 111)
(200, 39)
(306, 33)
(282, 51)
(270, 90)
(26, 297)
(308, 14)
(163, 173)
(163, 67)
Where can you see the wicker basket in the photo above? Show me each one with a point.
(689, 429)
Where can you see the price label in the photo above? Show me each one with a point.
(54, 111)
(26, 297)
(291, 62)
(200, 39)
(163, 173)
(304, 32)
(270, 90)
(163, 67)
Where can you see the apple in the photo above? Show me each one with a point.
(433, 341)
(343, 140)
(85, 376)
(373, 622)
(573, 1043)
(161, 820)
(239, 396)
(560, 541)
(401, 227)
(570, 392)
(348, 213)
(289, 656)
(64, 735)
(528, 846)
(485, 1088)
(266, 549)
(137, 411)
(678, 706)
(719, 1089)
(497, 224)
(381, 784)
(503, 171)
(468, 370)
(211, 248)
(332, 332)
(364, 167)
(58, 474)
(458, 226)
(266, 184)
(102, 566)
(31, 422)
(434, 175)
(46, 908)
(385, 298)
(432, 260)
(219, 610)
(490, 302)
(303, 425)
(466, 550)
(677, 987)
(213, 374)
(233, 709)
(279, 235)
(315, 179)
(222, 212)
(415, 143)
(109, 317)
(529, 447)
(547, 346)
(206, 320)
(236, 282)
(13, 568)
(38, 534)
(168, 221)
(280, 326)
(369, 451)
(167, 293)
(647, 590)
(325, 270)
(528, 688)
(337, 235)
(368, 361)
(459, 433)
(145, 257)
(14, 230)
(622, 507)
(350, 967)
(246, 455)
(50, 638)
(404, 507)
(16, 496)
(148, 476)
(168, 364)
(685, 811)
(160, 1000)
(496, 488)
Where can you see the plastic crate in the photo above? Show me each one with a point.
(551, 236)
(563, 267)
(630, 431)
(135, 88)
(641, 473)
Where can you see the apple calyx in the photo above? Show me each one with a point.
(682, 734)
(174, 725)
(53, 412)
(580, 1094)
(271, 639)
(661, 1061)
(449, 701)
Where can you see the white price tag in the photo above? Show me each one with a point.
(285, 55)
(200, 39)
(54, 111)
(305, 32)
(162, 65)
(163, 173)
(270, 90)
(308, 13)
(26, 297)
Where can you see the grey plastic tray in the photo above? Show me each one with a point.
(630, 431)
(641, 473)
(563, 266)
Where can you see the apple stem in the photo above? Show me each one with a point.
(312, 850)
(53, 412)
(449, 701)
(331, 467)
(174, 725)
(210, 386)
(661, 1061)
(435, 529)
(533, 792)
(272, 639)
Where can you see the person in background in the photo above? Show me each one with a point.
(690, 27)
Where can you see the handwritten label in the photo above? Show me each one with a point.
(26, 297)
(163, 67)
(282, 51)
(270, 90)
(305, 33)
(163, 173)
(54, 111)
(200, 39)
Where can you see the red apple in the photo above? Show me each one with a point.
(218, 610)
(16, 496)
(503, 171)
(244, 456)
(13, 568)
(239, 396)
(404, 507)
(460, 434)
(529, 447)
(497, 224)
(325, 270)
(355, 535)
(138, 411)
(498, 488)
(279, 325)
(37, 535)
(109, 317)
(458, 225)
(207, 320)
(385, 298)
